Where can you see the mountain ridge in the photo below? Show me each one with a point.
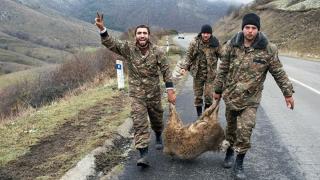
(182, 15)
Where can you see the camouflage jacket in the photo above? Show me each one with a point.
(242, 71)
(144, 78)
(202, 58)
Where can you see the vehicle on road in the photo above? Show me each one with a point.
(180, 36)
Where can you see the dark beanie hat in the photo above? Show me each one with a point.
(251, 19)
(206, 29)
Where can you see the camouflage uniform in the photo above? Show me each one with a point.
(241, 75)
(201, 61)
(144, 91)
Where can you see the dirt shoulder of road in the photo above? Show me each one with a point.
(45, 144)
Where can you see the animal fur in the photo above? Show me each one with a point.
(189, 141)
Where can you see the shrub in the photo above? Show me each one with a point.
(83, 68)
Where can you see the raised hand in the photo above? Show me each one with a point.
(99, 21)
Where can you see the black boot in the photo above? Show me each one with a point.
(206, 106)
(159, 145)
(199, 110)
(238, 168)
(228, 160)
(143, 161)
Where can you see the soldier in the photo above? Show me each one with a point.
(245, 61)
(144, 59)
(201, 61)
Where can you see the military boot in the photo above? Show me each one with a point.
(159, 145)
(228, 160)
(143, 161)
(199, 110)
(238, 168)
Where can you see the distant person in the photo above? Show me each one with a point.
(201, 60)
(245, 61)
(144, 60)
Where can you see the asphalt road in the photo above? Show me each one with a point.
(285, 143)
(299, 130)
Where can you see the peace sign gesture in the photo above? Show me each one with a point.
(99, 21)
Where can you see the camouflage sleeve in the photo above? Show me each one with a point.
(217, 57)
(165, 69)
(223, 68)
(278, 73)
(176, 71)
(115, 45)
(219, 51)
(180, 64)
(190, 56)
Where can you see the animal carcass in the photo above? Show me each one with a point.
(189, 141)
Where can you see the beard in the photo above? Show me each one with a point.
(142, 42)
(205, 39)
(249, 37)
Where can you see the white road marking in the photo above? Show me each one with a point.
(304, 85)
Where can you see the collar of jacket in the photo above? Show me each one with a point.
(260, 42)
(213, 41)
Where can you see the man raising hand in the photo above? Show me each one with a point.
(144, 61)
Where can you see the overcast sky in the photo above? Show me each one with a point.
(241, 1)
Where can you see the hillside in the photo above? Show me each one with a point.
(32, 37)
(182, 15)
(43, 26)
(294, 30)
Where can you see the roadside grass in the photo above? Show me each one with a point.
(27, 130)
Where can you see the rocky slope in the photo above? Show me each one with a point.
(294, 30)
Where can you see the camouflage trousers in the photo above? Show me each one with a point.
(144, 113)
(202, 88)
(239, 128)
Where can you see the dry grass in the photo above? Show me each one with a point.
(87, 119)
(18, 134)
(30, 74)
